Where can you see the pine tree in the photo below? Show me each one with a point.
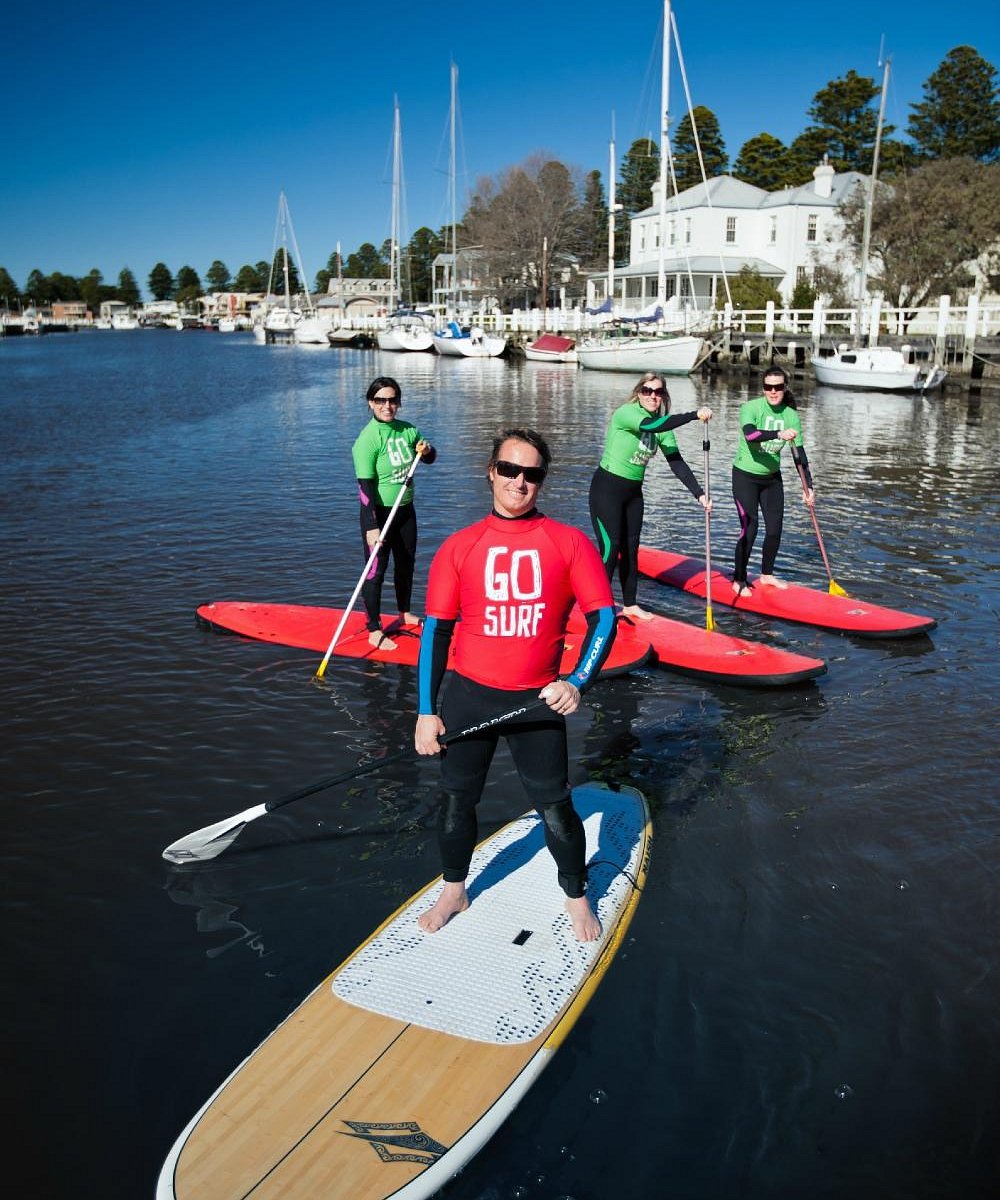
(685, 150)
(763, 161)
(960, 112)
(128, 289)
(161, 282)
(640, 170)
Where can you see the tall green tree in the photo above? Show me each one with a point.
(90, 289)
(63, 287)
(592, 246)
(276, 273)
(161, 282)
(763, 161)
(687, 169)
(188, 287)
(640, 169)
(421, 250)
(366, 263)
(128, 289)
(36, 289)
(960, 112)
(248, 280)
(10, 294)
(846, 121)
(217, 276)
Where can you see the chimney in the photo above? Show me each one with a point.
(823, 176)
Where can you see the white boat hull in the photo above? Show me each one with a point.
(668, 355)
(411, 335)
(313, 331)
(876, 369)
(475, 344)
(550, 356)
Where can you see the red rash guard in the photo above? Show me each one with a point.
(513, 583)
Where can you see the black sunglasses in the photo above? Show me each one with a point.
(774, 387)
(509, 470)
(652, 391)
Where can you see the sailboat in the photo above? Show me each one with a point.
(874, 368)
(664, 353)
(405, 330)
(454, 339)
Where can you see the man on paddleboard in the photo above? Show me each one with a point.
(503, 588)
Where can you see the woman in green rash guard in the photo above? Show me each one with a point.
(766, 424)
(383, 454)
(636, 431)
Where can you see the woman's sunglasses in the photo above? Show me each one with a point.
(509, 470)
(646, 390)
(774, 387)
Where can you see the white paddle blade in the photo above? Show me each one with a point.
(210, 842)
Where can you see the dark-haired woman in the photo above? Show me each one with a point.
(637, 429)
(383, 454)
(767, 423)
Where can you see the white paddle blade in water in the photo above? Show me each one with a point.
(210, 842)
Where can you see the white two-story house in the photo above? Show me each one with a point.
(714, 230)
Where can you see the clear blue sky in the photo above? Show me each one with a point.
(136, 133)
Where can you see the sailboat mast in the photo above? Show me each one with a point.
(661, 276)
(866, 238)
(394, 280)
(284, 248)
(452, 175)
(612, 206)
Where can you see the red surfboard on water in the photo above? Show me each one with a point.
(310, 628)
(675, 644)
(805, 605)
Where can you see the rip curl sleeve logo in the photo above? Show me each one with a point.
(397, 1141)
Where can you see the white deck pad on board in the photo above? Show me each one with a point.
(503, 970)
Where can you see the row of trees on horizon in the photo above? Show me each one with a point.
(541, 211)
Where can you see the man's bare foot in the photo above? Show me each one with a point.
(586, 926)
(773, 581)
(742, 589)
(640, 614)
(380, 640)
(453, 900)
(411, 619)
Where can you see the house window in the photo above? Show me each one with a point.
(642, 237)
(811, 227)
(656, 241)
(687, 231)
(673, 233)
(774, 230)
(801, 274)
(669, 287)
(730, 229)
(685, 287)
(633, 287)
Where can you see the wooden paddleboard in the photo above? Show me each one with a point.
(805, 605)
(311, 628)
(398, 1068)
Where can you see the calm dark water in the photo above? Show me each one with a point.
(808, 1001)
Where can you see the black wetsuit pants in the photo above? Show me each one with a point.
(537, 744)
(616, 510)
(401, 543)
(753, 492)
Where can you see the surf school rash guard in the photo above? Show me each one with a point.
(383, 453)
(504, 588)
(759, 451)
(633, 437)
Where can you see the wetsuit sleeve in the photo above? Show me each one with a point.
(685, 474)
(799, 455)
(601, 629)
(368, 495)
(661, 423)
(753, 434)
(435, 642)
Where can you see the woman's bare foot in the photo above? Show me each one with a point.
(742, 589)
(586, 926)
(410, 619)
(453, 900)
(380, 640)
(639, 614)
(773, 581)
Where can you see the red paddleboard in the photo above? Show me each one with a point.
(807, 606)
(723, 659)
(312, 628)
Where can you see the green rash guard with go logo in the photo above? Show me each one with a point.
(628, 449)
(384, 450)
(761, 455)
